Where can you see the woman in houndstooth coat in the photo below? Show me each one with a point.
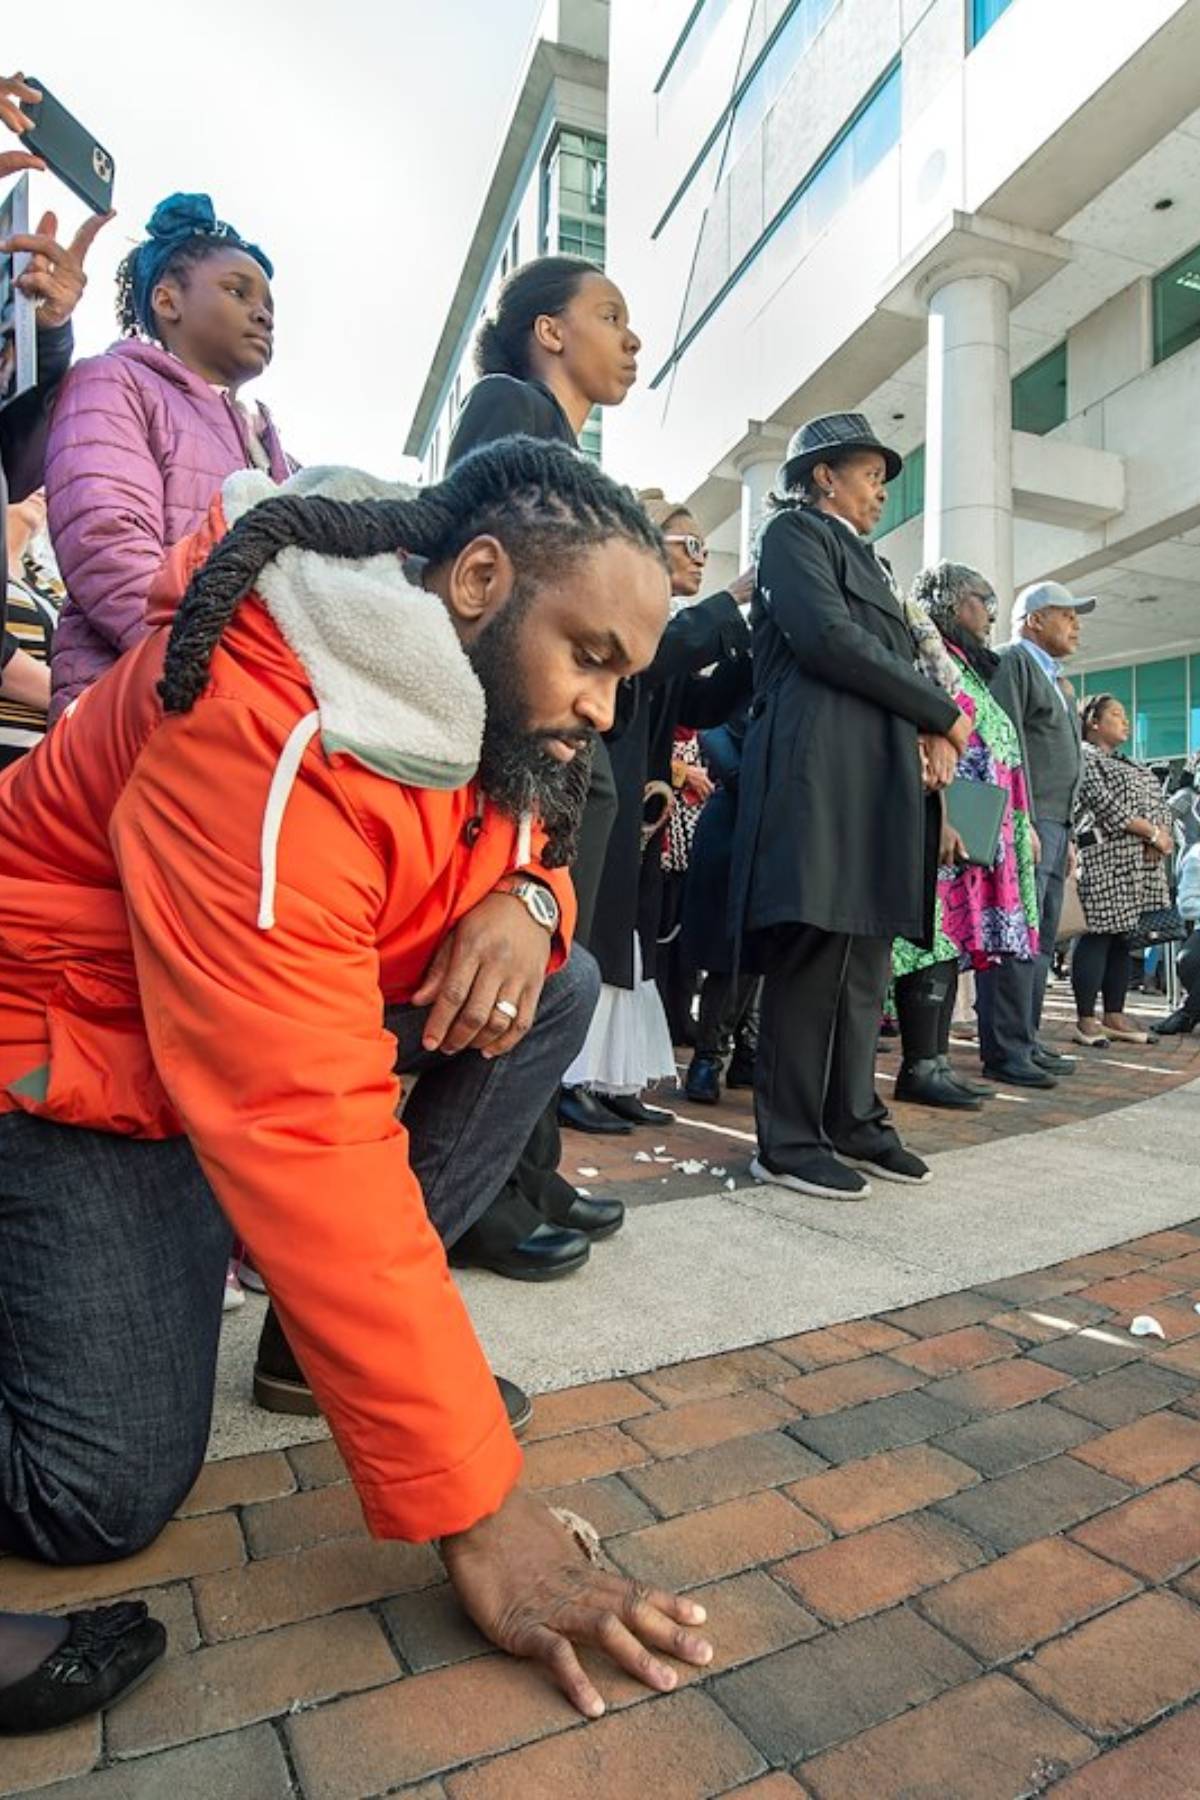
(1126, 841)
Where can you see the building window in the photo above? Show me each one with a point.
(591, 437)
(984, 14)
(1193, 703)
(575, 195)
(905, 495)
(862, 143)
(1177, 306)
(577, 238)
(1039, 394)
(765, 80)
(773, 71)
(514, 248)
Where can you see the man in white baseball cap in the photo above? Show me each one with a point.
(1029, 685)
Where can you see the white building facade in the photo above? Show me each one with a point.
(547, 193)
(976, 220)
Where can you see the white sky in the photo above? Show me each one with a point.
(352, 139)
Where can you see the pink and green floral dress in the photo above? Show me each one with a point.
(984, 915)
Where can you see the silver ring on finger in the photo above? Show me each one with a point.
(508, 1008)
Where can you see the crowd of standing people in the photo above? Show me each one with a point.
(316, 782)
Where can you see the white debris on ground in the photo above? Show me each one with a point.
(1145, 1326)
(642, 1156)
(587, 1171)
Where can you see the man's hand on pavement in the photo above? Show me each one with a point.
(497, 952)
(522, 1579)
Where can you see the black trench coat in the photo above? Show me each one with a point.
(668, 693)
(834, 829)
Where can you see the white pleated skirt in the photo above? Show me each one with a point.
(628, 1044)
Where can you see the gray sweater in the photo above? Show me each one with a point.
(1049, 734)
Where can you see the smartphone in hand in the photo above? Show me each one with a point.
(72, 153)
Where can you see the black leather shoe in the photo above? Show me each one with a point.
(702, 1084)
(1179, 1024)
(1020, 1075)
(104, 1656)
(582, 1111)
(740, 1073)
(597, 1218)
(926, 1083)
(979, 1090)
(633, 1109)
(1052, 1061)
(549, 1252)
(517, 1404)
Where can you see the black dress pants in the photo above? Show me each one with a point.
(814, 1092)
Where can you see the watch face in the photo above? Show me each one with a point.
(543, 906)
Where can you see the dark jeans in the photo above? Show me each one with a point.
(113, 1272)
(814, 1086)
(1010, 996)
(1100, 961)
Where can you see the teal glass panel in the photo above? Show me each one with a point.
(1160, 721)
(1194, 719)
(1177, 306)
(1039, 393)
(984, 14)
(906, 495)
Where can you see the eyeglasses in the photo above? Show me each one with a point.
(696, 547)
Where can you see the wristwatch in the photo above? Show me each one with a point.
(538, 901)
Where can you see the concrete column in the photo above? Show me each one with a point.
(968, 437)
(758, 478)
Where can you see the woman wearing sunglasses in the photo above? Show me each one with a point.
(983, 916)
(629, 1044)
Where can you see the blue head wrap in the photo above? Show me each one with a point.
(174, 222)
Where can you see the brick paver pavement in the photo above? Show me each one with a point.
(953, 1552)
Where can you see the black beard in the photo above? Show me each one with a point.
(516, 771)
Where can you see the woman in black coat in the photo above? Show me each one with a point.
(836, 842)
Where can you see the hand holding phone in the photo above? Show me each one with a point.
(13, 90)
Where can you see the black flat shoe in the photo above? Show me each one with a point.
(633, 1109)
(1179, 1024)
(582, 1111)
(547, 1254)
(104, 1656)
(598, 1218)
(926, 1083)
(702, 1084)
(1020, 1075)
(517, 1404)
(740, 1073)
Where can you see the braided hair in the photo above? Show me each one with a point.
(544, 503)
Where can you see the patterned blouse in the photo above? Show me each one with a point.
(1118, 880)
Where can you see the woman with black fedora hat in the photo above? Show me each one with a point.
(838, 824)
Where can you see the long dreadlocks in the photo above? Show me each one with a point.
(544, 503)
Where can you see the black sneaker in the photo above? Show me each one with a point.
(824, 1177)
(894, 1163)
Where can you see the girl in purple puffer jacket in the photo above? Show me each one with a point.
(144, 435)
